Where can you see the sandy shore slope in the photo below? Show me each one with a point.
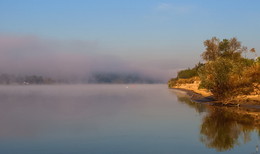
(205, 93)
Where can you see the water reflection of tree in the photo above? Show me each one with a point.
(223, 127)
(183, 98)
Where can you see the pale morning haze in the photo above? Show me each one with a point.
(129, 76)
(156, 38)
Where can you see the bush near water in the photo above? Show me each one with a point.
(225, 73)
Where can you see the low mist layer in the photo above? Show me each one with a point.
(66, 60)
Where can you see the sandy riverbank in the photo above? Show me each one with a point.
(194, 87)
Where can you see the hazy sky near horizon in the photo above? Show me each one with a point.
(153, 36)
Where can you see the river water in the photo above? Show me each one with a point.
(80, 119)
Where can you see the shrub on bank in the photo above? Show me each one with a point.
(226, 73)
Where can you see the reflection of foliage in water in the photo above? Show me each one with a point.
(222, 128)
(183, 98)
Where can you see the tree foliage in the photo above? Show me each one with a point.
(226, 79)
(226, 73)
(186, 76)
(189, 73)
(215, 48)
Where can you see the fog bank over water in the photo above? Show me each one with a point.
(68, 59)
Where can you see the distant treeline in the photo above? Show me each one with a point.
(30, 79)
(120, 78)
(110, 78)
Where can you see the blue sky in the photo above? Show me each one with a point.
(168, 35)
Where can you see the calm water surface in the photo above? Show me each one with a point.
(80, 119)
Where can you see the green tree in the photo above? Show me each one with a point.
(215, 48)
(189, 73)
(215, 77)
(212, 49)
(224, 71)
